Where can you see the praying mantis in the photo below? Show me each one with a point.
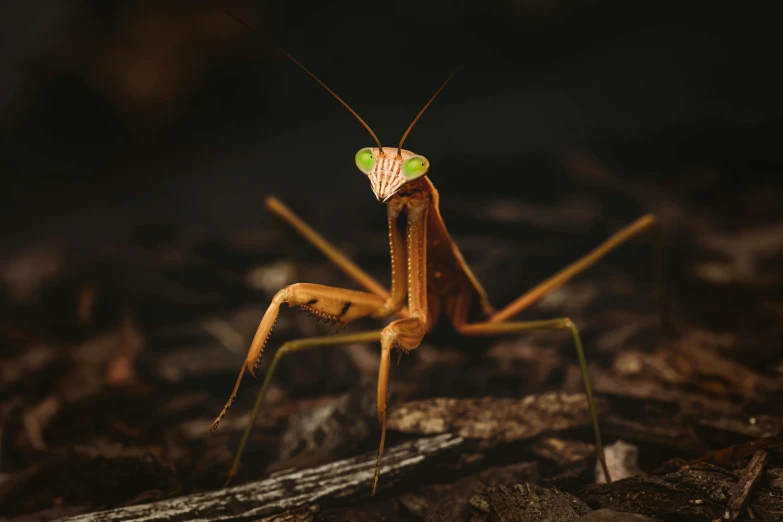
(431, 284)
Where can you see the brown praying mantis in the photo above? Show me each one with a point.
(427, 270)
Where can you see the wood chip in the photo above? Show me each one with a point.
(305, 514)
(608, 515)
(748, 479)
(698, 493)
(493, 419)
(331, 431)
(724, 456)
(528, 503)
(449, 502)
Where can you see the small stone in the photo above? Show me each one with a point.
(622, 459)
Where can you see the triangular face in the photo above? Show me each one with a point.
(390, 168)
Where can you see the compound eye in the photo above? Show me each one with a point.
(414, 167)
(365, 160)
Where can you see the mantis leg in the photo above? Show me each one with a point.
(642, 224)
(405, 334)
(331, 304)
(497, 323)
(328, 303)
(288, 348)
(331, 252)
(563, 323)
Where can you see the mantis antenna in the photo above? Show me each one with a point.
(322, 84)
(408, 130)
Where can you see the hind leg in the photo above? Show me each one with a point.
(563, 323)
(643, 224)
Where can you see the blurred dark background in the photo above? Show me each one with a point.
(121, 112)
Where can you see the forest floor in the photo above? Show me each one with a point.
(117, 357)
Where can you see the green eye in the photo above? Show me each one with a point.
(414, 167)
(365, 160)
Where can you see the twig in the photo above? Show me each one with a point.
(746, 482)
(285, 491)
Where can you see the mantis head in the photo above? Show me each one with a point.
(389, 168)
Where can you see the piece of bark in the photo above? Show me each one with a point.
(729, 427)
(660, 432)
(493, 420)
(528, 503)
(565, 464)
(380, 509)
(748, 479)
(306, 514)
(698, 494)
(563, 452)
(775, 479)
(697, 363)
(724, 456)
(449, 502)
(332, 431)
(648, 390)
(691, 360)
(608, 515)
(287, 491)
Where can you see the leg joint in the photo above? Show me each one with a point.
(570, 325)
(285, 349)
(284, 295)
(388, 337)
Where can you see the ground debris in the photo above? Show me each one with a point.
(117, 349)
(113, 474)
(608, 515)
(449, 501)
(724, 456)
(491, 419)
(699, 493)
(565, 464)
(748, 479)
(690, 372)
(305, 514)
(526, 502)
(563, 452)
(331, 431)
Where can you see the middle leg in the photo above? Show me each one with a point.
(563, 323)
